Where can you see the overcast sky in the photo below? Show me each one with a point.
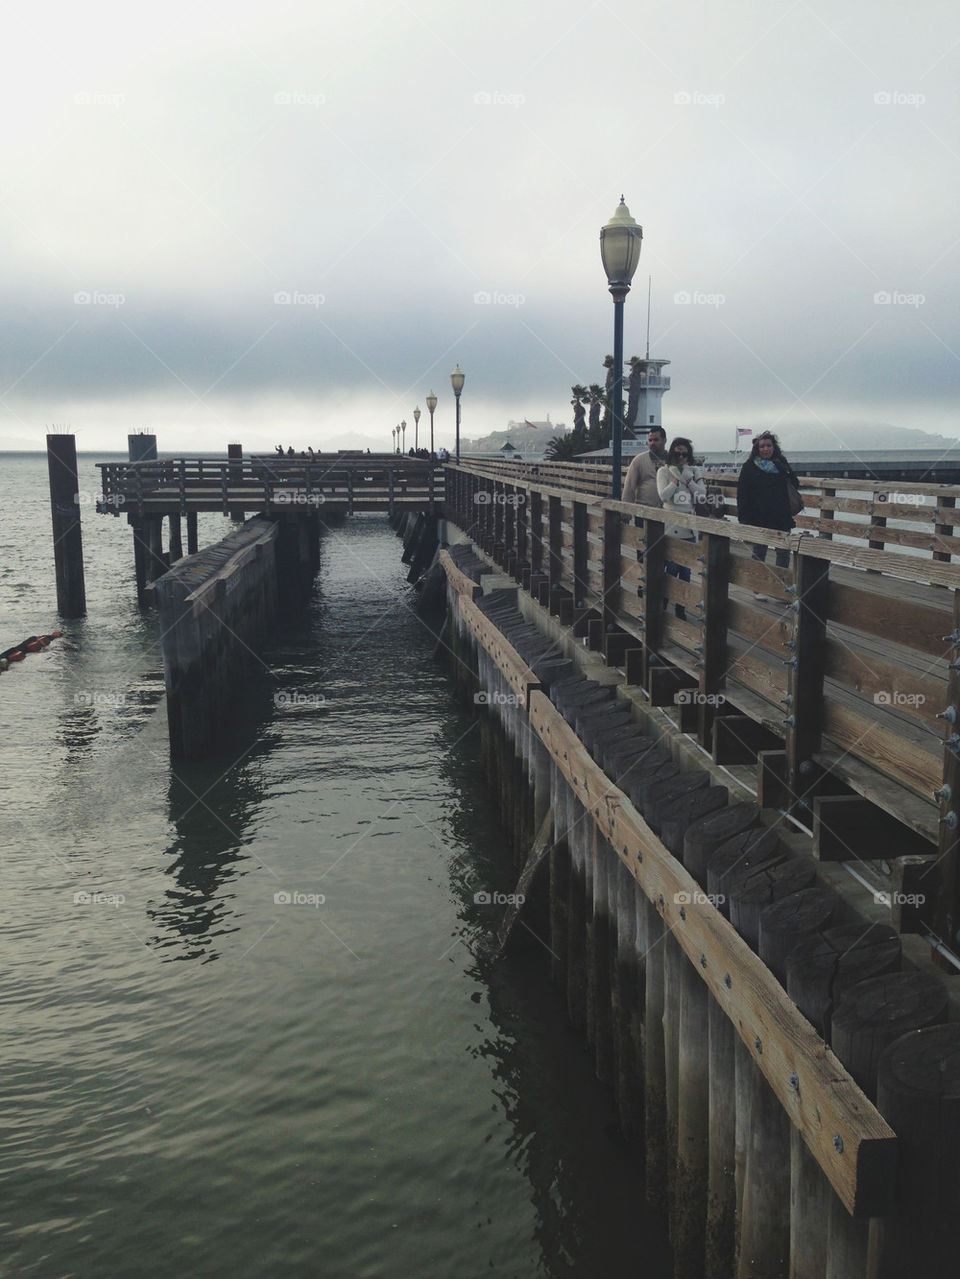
(261, 222)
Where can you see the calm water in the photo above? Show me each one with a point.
(200, 1079)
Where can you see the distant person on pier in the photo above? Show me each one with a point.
(641, 482)
(279, 450)
(290, 452)
(762, 498)
(680, 487)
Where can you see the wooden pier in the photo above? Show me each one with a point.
(752, 874)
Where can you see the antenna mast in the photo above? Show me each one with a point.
(649, 279)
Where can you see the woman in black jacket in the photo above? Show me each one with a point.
(762, 493)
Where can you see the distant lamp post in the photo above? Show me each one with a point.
(403, 428)
(620, 242)
(416, 428)
(431, 405)
(393, 438)
(456, 381)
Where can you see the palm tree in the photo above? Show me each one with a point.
(579, 397)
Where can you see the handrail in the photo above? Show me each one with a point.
(849, 661)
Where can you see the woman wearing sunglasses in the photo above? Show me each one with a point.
(681, 487)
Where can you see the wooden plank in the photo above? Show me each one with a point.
(765, 579)
(891, 617)
(826, 1104)
(747, 667)
(886, 748)
(886, 681)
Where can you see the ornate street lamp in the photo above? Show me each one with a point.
(393, 434)
(416, 428)
(403, 428)
(431, 405)
(456, 381)
(620, 242)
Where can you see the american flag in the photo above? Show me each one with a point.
(741, 430)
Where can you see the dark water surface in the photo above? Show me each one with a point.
(199, 1078)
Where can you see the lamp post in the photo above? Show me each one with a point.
(456, 381)
(393, 439)
(416, 428)
(431, 405)
(403, 428)
(620, 242)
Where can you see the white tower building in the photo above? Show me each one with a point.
(652, 383)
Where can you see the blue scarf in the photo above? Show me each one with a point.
(767, 464)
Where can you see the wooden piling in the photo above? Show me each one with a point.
(918, 1093)
(67, 536)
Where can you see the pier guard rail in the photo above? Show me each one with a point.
(920, 517)
(844, 672)
(180, 486)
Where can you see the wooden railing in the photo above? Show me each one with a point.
(927, 515)
(180, 485)
(847, 668)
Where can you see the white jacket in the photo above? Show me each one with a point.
(678, 487)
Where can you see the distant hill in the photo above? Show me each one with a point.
(522, 435)
(812, 437)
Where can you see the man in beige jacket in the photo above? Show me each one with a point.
(641, 483)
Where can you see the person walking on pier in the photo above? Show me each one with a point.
(762, 493)
(680, 487)
(641, 482)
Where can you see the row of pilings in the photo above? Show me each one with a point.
(724, 1167)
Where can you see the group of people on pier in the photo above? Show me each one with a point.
(672, 478)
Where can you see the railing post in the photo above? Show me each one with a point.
(555, 562)
(536, 531)
(612, 528)
(826, 514)
(804, 718)
(654, 568)
(947, 919)
(716, 592)
(943, 530)
(580, 555)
